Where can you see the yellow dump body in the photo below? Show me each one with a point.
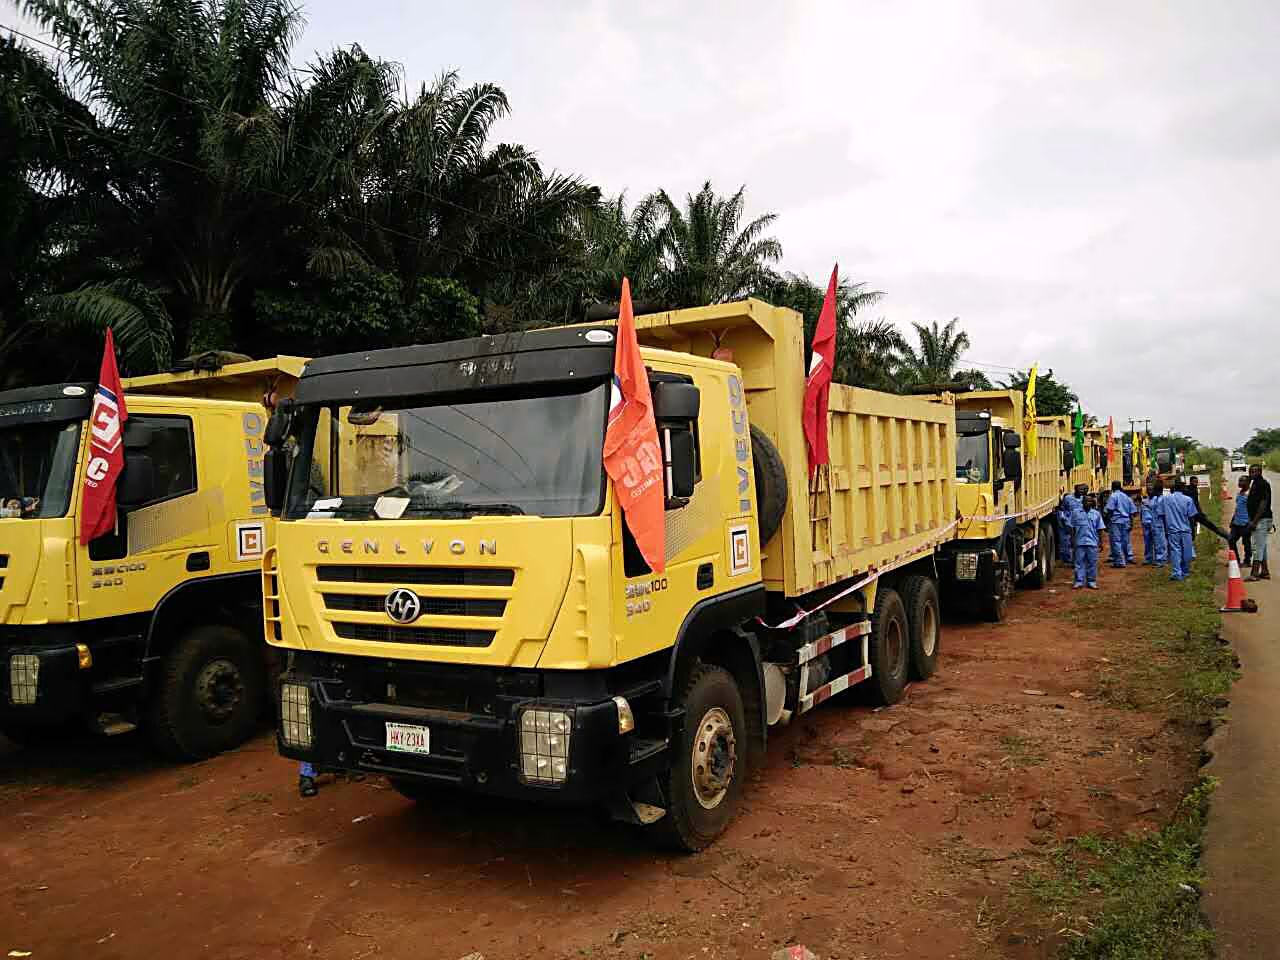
(248, 382)
(888, 495)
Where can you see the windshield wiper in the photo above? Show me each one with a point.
(470, 509)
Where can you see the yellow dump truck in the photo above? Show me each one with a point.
(469, 608)
(1005, 499)
(159, 622)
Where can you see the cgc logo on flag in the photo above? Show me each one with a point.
(104, 421)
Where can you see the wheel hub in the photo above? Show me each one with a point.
(714, 758)
(219, 690)
(929, 631)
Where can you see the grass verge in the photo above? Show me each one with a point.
(1136, 897)
(1131, 898)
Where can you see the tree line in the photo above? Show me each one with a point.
(167, 171)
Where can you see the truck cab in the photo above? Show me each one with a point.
(1003, 495)
(154, 622)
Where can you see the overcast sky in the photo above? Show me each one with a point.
(1092, 186)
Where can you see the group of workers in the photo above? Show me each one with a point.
(1169, 520)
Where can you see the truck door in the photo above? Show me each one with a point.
(164, 536)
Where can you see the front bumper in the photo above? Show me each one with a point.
(62, 689)
(473, 717)
(955, 566)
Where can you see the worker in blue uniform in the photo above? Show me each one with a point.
(1087, 528)
(1118, 514)
(1179, 510)
(1159, 529)
(1148, 544)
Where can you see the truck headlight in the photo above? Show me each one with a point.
(295, 715)
(544, 745)
(967, 566)
(24, 674)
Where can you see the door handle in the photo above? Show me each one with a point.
(197, 561)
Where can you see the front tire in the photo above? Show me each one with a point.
(212, 687)
(703, 786)
(1038, 577)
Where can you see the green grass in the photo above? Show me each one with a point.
(1021, 751)
(1135, 897)
(1130, 898)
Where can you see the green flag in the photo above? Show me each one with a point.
(1077, 424)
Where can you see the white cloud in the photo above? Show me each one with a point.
(1086, 184)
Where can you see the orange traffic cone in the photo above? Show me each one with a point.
(1237, 602)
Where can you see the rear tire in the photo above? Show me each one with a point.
(889, 649)
(771, 484)
(1050, 550)
(1038, 577)
(924, 620)
(703, 786)
(210, 695)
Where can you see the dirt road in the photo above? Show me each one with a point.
(1242, 841)
(890, 834)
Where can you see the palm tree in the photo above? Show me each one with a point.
(708, 255)
(976, 379)
(938, 354)
(56, 297)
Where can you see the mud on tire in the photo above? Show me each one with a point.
(889, 649)
(924, 625)
(703, 786)
(210, 693)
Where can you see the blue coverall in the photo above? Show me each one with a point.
(1088, 525)
(1178, 513)
(1148, 544)
(1067, 510)
(1121, 509)
(1159, 529)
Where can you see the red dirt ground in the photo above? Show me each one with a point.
(889, 834)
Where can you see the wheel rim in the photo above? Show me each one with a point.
(895, 646)
(1044, 560)
(219, 690)
(714, 758)
(929, 630)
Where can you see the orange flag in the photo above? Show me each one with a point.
(632, 456)
(1111, 439)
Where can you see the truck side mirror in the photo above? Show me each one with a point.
(1012, 463)
(275, 476)
(1011, 440)
(673, 401)
(137, 480)
(681, 465)
(280, 424)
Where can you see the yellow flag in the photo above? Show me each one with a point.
(1029, 418)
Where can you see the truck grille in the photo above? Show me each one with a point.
(425, 576)
(431, 606)
(436, 636)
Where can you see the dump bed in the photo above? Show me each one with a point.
(1042, 479)
(890, 493)
(249, 381)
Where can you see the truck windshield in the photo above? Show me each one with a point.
(37, 467)
(512, 454)
(972, 458)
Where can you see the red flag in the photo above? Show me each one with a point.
(1111, 439)
(817, 387)
(106, 450)
(632, 456)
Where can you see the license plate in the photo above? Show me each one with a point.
(407, 738)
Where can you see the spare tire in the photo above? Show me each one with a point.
(771, 484)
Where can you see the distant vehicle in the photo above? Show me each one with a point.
(1238, 465)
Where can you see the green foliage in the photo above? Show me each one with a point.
(940, 349)
(1271, 460)
(1053, 397)
(364, 309)
(1263, 441)
(1212, 457)
(976, 379)
(1141, 892)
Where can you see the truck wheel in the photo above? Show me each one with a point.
(209, 699)
(704, 784)
(1038, 577)
(1050, 540)
(995, 607)
(771, 484)
(924, 625)
(889, 649)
